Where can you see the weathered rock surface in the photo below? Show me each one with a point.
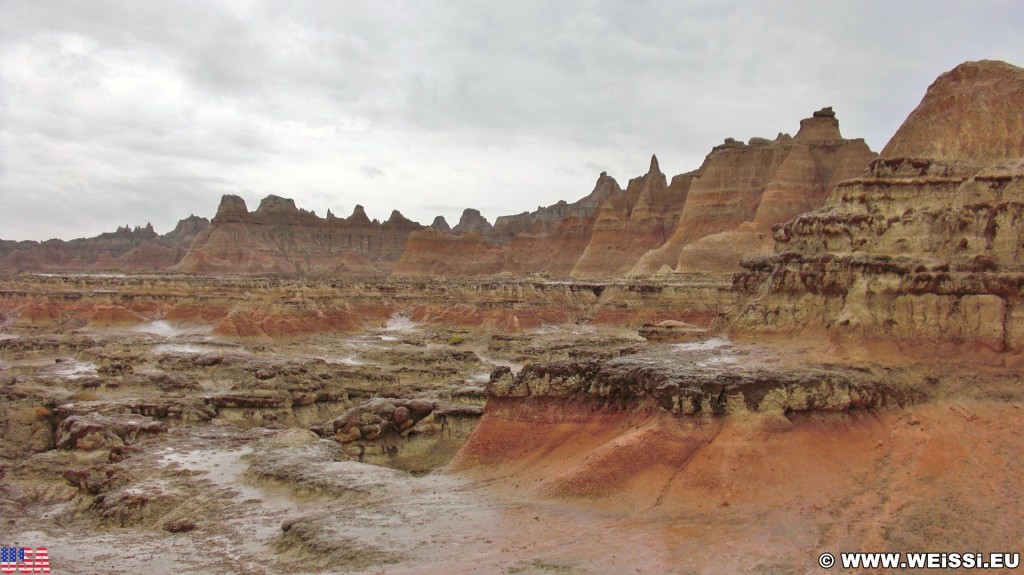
(971, 113)
(26, 415)
(440, 224)
(264, 308)
(741, 190)
(94, 431)
(700, 385)
(472, 221)
(127, 249)
(280, 238)
(549, 240)
(921, 249)
(633, 222)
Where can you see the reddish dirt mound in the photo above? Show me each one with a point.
(114, 315)
(778, 490)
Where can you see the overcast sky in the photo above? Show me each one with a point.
(127, 112)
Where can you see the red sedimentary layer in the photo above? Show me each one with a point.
(822, 482)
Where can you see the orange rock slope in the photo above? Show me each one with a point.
(972, 112)
(633, 222)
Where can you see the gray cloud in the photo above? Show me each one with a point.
(371, 171)
(114, 112)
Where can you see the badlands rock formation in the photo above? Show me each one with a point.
(701, 221)
(440, 224)
(548, 240)
(824, 439)
(472, 221)
(741, 190)
(971, 113)
(127, 249)
(926, 247)
(521, 424)
(280, 238)
(631, 223)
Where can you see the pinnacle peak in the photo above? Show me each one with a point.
(655, 169)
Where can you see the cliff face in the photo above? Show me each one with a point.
(631, 223)
(971, 113)
(925, 248)
(741, 190)
(127, 249)
(549, 240)
(280, 238)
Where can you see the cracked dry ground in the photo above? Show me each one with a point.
(162, 448)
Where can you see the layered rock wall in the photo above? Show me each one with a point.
(127, 249)
(276, 307)
(920, 249)
(741, 190)
(631, 223)
(280, 238)
(549, 240)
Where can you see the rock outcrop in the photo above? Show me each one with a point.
(440, 224)
(127, 249)
(925, 248)
(631, 223)
(741, 190)
(971, 113)
(472, 221)
(281, 238)
(701, 221)
(549, 240)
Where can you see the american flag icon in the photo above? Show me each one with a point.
(24, 560)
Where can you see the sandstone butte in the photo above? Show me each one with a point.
(740, 191)
(925, 247)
